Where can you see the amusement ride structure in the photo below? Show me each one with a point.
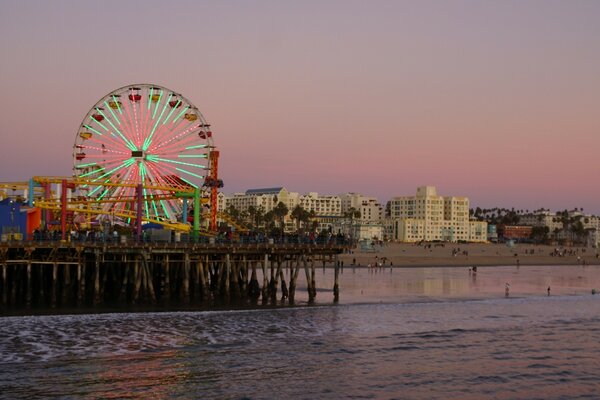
(140, 154)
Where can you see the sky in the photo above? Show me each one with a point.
(498, 101)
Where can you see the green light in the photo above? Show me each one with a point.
(118, 105)
(112, 113)
(124, 164)
(99, 123)
(146, 204)
(103, 194)
(200, 146)
(155, 209)
(127, 142)
(157, 103)
(165, 209)
(148, 140)
(190, 173)
(192, 156)
(188, 182)
(92, 172)
(92, 129)
(172, 110)
(150, 97)
(181, 113)
(97, 188)
(180, 163)
(86, 165)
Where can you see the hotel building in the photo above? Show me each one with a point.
(430, 217)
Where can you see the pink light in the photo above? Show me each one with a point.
(113, 141)
(165, 131)
(130, 132)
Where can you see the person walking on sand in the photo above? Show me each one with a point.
(507, 289)
(548, 290)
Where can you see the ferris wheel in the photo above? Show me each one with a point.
(142, 134)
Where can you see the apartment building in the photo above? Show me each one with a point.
(430, 217)
(370, 209)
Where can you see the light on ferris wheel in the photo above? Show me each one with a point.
(140, 135)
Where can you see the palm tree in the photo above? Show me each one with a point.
(279, 213)
(300, 215)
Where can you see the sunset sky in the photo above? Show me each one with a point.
(495, 100)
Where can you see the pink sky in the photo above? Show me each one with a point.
(498, 101)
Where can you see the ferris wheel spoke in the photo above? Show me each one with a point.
(136, 121)
(187, 135)
(176, 147)
(158, 181)
(125, 164)
(131, 131)
(110, 144)
(125, 136)
(172, 171)
(128, 142)
(176, 130)
(148, 140)
(163, 132)
(87, 126)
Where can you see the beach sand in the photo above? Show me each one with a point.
(472, 254)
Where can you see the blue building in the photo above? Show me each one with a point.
(13, 220)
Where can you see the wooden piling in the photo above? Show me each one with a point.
(308, 281)
(336, 286)
(28, 295)
(54, 284)
(137, 279)
(265, 281)
(4, 284)
(66, 283)
(167, 279)
(97, 277)
(185, 287)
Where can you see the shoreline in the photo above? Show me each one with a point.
(406, 255)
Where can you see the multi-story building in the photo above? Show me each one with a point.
(430, 217)
(321, 205)
(266, 198)
(369, 208)
(544, 218)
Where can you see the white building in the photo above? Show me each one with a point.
(266, 198)
(369, 208)
(430, 217)
(321, 205)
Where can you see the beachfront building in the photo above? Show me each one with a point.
(367, 224)
(430, 217)
(327, 209)
(369, 208)
(267, 198)
(321, 205)
(542, 219)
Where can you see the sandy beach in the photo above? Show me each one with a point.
(472, 254)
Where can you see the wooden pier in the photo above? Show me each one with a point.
(67, 275)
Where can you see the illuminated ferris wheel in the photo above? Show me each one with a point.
(143, 134)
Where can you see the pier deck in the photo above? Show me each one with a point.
(56, 274)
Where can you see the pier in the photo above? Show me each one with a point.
(67, 275)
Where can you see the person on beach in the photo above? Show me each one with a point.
(506, 289)
(548, 290)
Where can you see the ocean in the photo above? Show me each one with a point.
(416, 333)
